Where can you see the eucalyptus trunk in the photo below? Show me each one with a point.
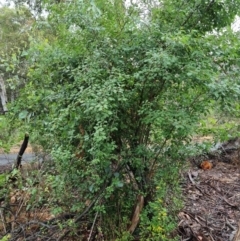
(3, 95)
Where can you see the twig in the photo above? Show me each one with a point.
(38, 222)
(80, 216)
(230, 225)
(237, 236)
(196, 219)
(3, 221)
(211, 237)
(90, 235)
(230, 204)
(20, 208)
(190, 178)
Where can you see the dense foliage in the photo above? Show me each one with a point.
(116, 96)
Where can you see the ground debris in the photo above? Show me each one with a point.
(212, 205)
(5, 168)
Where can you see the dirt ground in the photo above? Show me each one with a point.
(212, 197)
(5, 168)
(16, 148)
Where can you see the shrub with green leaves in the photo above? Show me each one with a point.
(8, 136)
(117, 96)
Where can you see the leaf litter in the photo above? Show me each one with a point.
(212, 196)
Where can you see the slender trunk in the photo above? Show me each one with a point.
(3, 94)
(12, 96)
(21, 151)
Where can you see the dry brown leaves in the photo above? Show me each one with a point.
(212, 205)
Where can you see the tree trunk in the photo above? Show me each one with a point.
(21, 151)
(3, 94)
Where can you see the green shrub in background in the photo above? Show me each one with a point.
(6, 137)
(116, 97)
(11, 132)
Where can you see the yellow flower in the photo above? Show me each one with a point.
(157, 229)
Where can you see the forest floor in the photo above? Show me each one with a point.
(211, 209)
(212, 196)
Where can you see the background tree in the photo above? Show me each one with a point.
(15, 26)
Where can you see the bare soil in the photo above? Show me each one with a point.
(5, 168)
(212, 198)
(15, 149)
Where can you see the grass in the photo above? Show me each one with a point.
(3, 179)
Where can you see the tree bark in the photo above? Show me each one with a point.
(21, 151)
(3, 94)
(136, 214)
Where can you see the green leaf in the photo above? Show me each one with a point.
(23, 114)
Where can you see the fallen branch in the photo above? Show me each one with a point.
(94, 221)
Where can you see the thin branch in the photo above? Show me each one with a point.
(3, 221)
(192, 12)
(94, 221)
